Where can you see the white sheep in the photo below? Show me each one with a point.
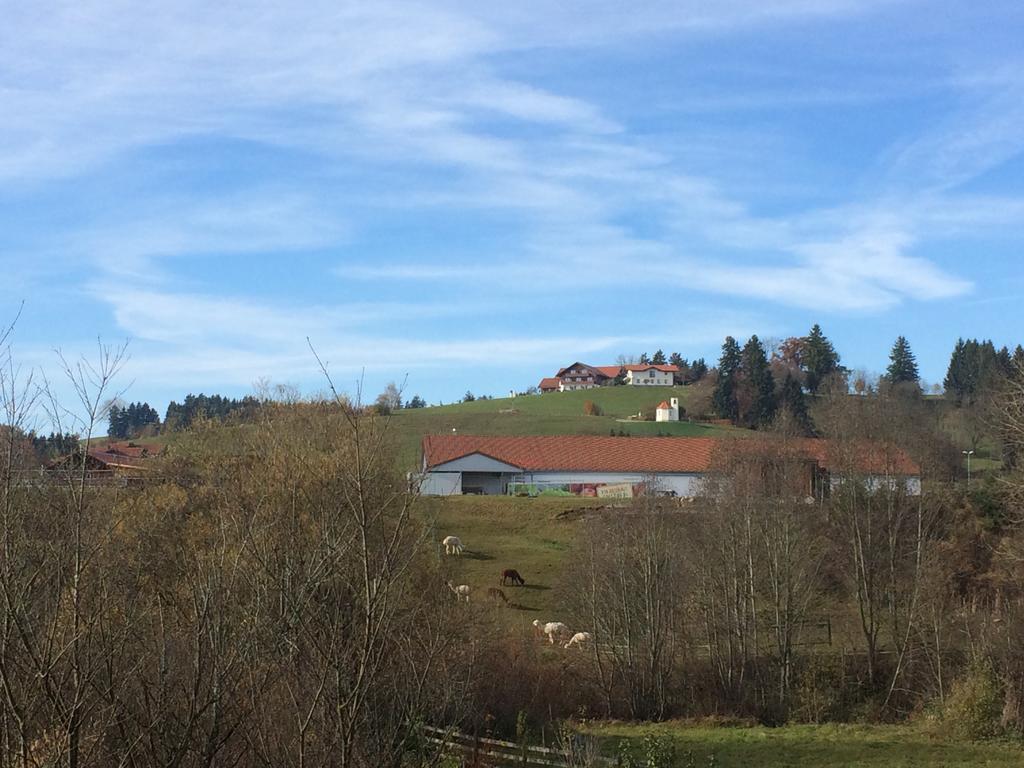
(461, 591)
(579, 640)
(452, 545)
(552, 629)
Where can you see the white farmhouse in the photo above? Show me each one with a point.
(650, 375)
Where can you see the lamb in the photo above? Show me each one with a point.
(461, 591)
(579, 640)
(496, 594)
(452, 545)
(552, 629)
(512, 575)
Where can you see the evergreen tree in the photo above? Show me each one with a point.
(758, 385)
(644, 359)
(958, 376)
(677, 360)
(698, 369)
(118, 422)
(976, 368)
(1004, 363)
(416, 402)
(820, 359)
(724, 399)
(659, 358)
(902, 364)
(793, 402)
(620, 377)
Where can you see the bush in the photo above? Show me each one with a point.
(590, 408)
(975, 706)
(818, 694)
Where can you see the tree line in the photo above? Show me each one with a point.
(752, 387)
(133, 420)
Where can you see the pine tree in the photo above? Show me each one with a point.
(659, 358)
(758, 383)
(1004, 363)
(724, 399)
(793, 402)
(820, 359)
(957, 375)
(698, 369)
(644, 359)
(677, 360)
(118, 422)
(902, 364)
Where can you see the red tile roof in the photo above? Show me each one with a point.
(589, 453)
(131, 448)
(118, 459)
(551, 382)
(585, 453)
(663, 404)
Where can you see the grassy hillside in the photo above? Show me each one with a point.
(555, 413)
(534, 536)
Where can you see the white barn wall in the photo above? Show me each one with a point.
(441, 484)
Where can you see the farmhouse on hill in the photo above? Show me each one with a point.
(582, 376)
(587, 465)
(115, 460)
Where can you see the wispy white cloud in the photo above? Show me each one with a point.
(420, 93)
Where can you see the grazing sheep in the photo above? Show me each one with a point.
(579, 640)
(496, 594)
(452, 545)
(553, 629)
(461, 591)
(512, 575)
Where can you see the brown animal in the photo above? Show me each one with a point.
(512, 575)
(496, 594)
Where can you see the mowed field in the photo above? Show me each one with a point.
(554, 413)
(813, 746)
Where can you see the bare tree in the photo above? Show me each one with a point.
(631, 588)
(760, 558)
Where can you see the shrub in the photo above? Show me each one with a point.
(975, 705)
(818, 695)
(590, 408)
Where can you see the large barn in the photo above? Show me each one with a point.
(586, 465)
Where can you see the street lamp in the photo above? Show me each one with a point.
(968, 454)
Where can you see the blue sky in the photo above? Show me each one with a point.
(473, 195)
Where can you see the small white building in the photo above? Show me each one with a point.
(667, 410)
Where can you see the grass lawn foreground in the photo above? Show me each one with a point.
(800, 746)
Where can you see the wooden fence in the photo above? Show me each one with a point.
(477, 751)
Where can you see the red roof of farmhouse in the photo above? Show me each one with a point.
(589, 453)
(551, 382)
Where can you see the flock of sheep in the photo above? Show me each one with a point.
(555, 631)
